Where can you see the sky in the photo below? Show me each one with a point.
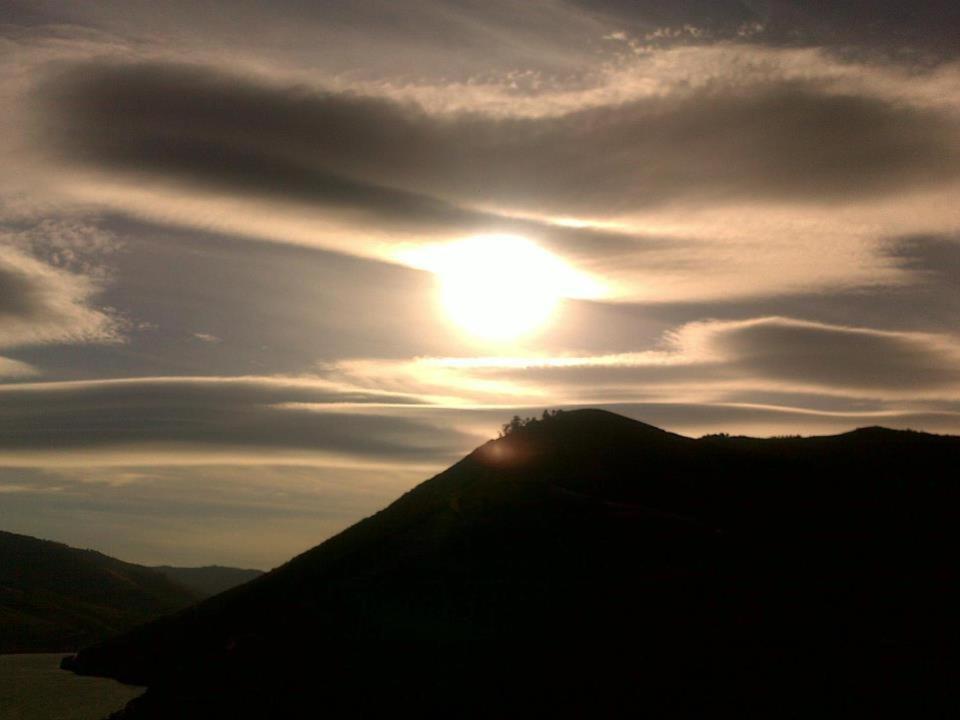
(264, 266)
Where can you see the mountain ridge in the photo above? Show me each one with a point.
(686, 550)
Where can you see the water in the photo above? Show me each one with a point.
(33, 687)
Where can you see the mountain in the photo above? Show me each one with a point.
(589, 565)
(209, 580)
(55, 598)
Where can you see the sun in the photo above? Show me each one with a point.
(499, 288)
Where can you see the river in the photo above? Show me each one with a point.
(33, 687)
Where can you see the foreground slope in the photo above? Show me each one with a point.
(57, 598)
(592, 565)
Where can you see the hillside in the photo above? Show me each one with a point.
(208, 580)
(592, 565)
(57, 598)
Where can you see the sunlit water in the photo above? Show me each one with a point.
(33, 687)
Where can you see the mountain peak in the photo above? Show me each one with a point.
(547, 446)
(585, 427)
(588, 419)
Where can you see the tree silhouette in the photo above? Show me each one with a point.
(516, 423)
(511, 427)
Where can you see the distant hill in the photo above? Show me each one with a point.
(209, 580)
(589, 565)
(55, 598)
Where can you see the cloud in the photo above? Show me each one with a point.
(694, 173)
(699, 172)
(207, 338)
(700, 361)
(934, 259)
(773, 140)
(366, 38)
(927, 28)
(826, 356)
(14, 368)
(304, 419)
(42, 304)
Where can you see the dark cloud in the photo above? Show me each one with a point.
(924, 298)
(935, 258)
(19, 297)
(924, 29)
(927, 27)
(775, 354)
(797, 352)
(370, 162)
(716, 15)
(779, 141)
(27, 13)
(213, 414)
(787, 141)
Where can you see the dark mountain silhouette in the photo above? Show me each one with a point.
(57, 598)
(208, 580)
(590, 565)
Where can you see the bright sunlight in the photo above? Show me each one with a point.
(500, 287)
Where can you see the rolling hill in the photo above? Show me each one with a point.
(591, 565)
(55, 598)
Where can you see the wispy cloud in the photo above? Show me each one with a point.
(189, 420)
(207, 337)
(696, 361)
(40, 303)
(15, 369)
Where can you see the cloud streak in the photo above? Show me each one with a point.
(696, 361)
(239, 417)
(774, 140)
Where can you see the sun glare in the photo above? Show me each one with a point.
(500, 287)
